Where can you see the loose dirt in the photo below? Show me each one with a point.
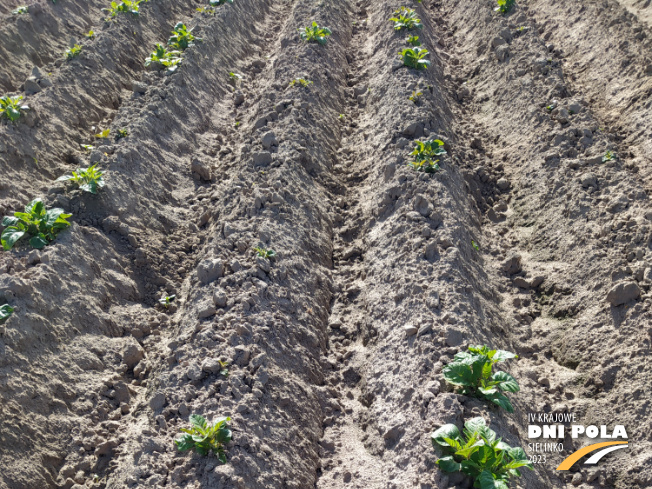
(524, 240)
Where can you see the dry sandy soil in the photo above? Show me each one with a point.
(382, 274)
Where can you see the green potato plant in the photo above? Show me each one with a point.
(415, 57)
(415, 97)
(234, 78)
(480, 454)
(413, 40)
(504, 6)
(40, 224)
(314, 33)
(104, 134)
(471, 373)
(90, 34)
(424, 155)
(265, 253)
(88, 179)
(301, 81)
(122, 133)
(5, 311)
(406, 18)
(205, 438)
(161, 56)
(11, 108)
(608, 156)
(126, 6)
(73, 51)
(20, 10)
(166, 300)
(182, 38)
(87, 147)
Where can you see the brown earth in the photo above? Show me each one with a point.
(382, 275)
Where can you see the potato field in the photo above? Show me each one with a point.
(325, 244)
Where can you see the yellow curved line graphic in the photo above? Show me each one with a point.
(575, 456)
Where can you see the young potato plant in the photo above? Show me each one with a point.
(166, 300)
(41, 225)
(300, 81)
(126, 6)
(5, 311)
(73, 51)
(122, 133)
(406, 18)
(608, 156)
(234, 78)
(104, 134)
(205, 438)
(162, 57)
(182, 38)
(415, 97)
(90, 34)
(11, 108)
(415, 58)
(20, 10)
(504, 6)
(413, 40)
(480, 454)
(314, 33)
(471, 372)
(265, 253)
(88, 179)
(87, 147)
(424, 154)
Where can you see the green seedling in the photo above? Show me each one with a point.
(314, 33)
(122, 133)
(161, 56)
(90, 35)
(126, 6)
(475, 245)
(41, 225)
(301, 81)
(608, 156)
(104, 134)
(425, 154)
(471, 372)
(205, 438)
(225, 370)
(341, 117)
(237, 123)
(406, 18)
(480, 454)
(11, 108)
(234, 77)
(182, 38)
(413, 40)
(20, 10)
(87, 147)
(215, 3)
(504, 6)
(415, 58)
(87, 179)
(206, 10)
(5, 311)
(265, 253)
(522, 29)
(550, 107)
(166, 300)
(73, 51)
(415, 97)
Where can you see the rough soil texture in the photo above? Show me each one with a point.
(336, 346)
